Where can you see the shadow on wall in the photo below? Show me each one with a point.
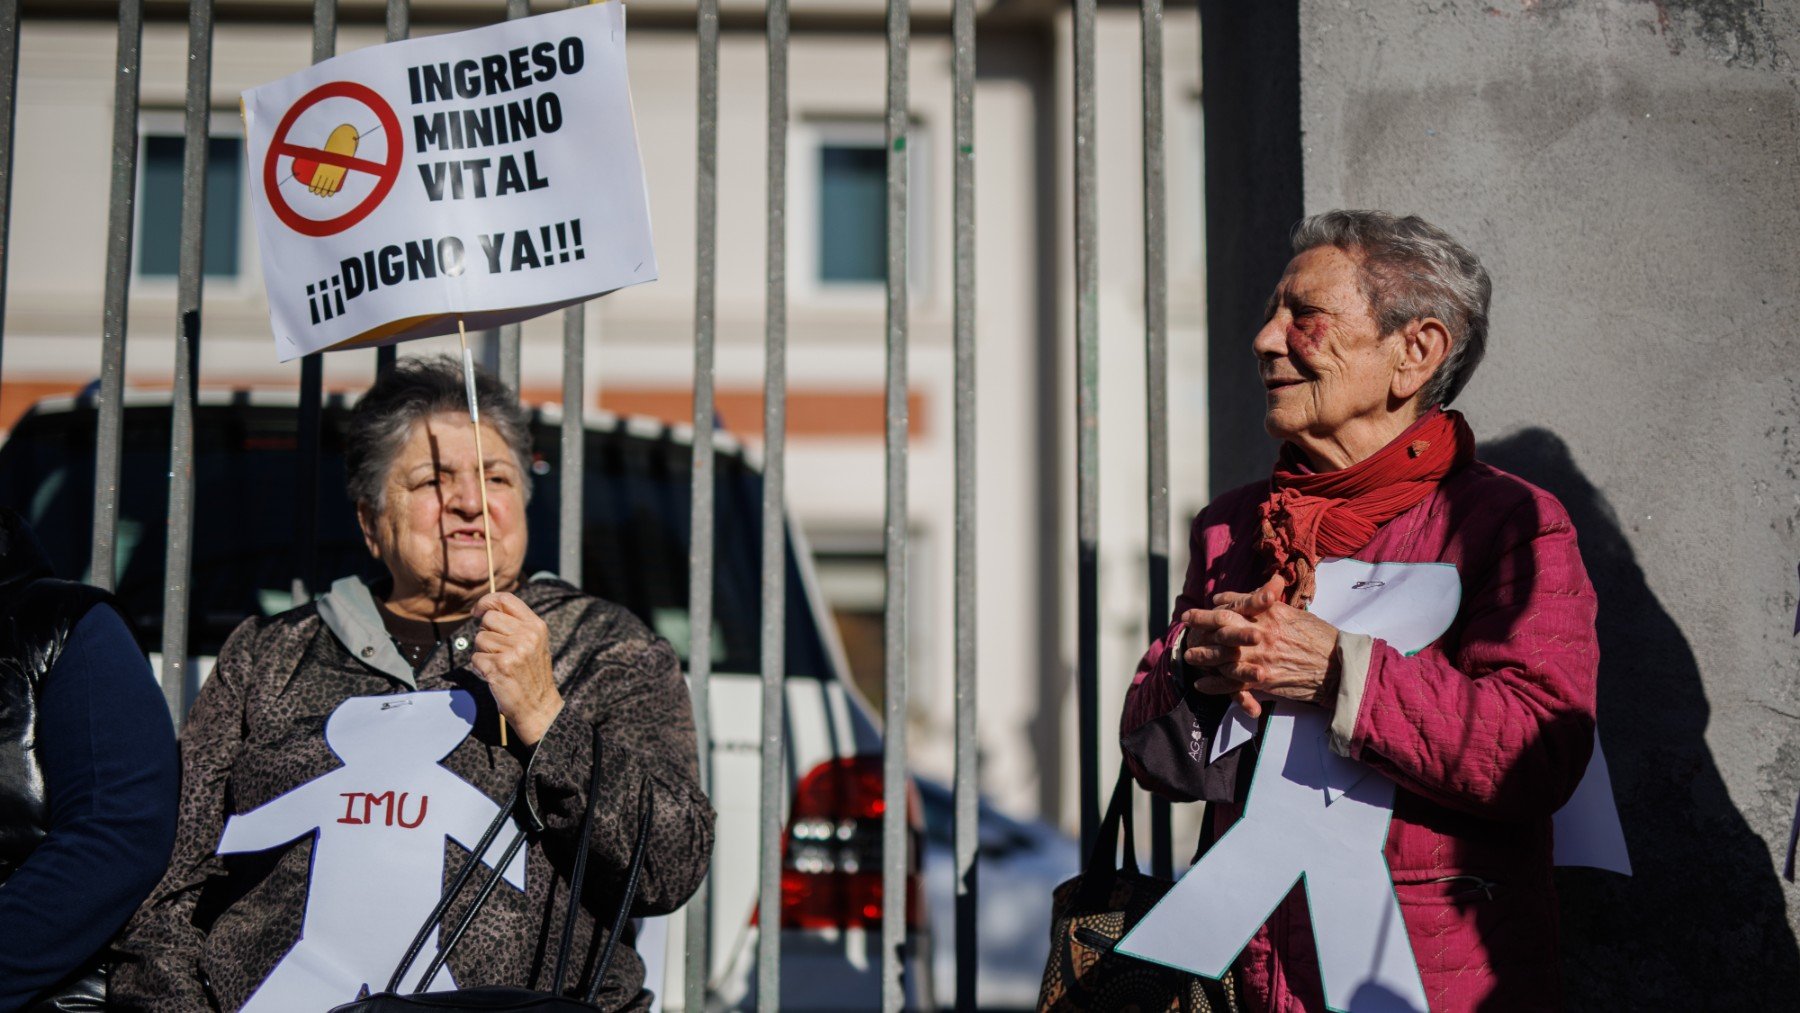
(1703, 923)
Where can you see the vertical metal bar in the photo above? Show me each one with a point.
(894, 620)
(509, 356)
(966, 832)
(121, 220)
(774, 575)
(700, 545)
(306, 494)
(399, 25)
(312, 387)
(574, 444)
(9, 104)
(399, 19)
(1087, 425)
(509, 333)
(179, 684)
(1156, 370)
(487, 348)
(574, 436)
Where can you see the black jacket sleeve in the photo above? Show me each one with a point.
(108, 754)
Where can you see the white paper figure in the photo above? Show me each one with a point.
(1381, 600)
(1409, 605)
(1314, 817)
(1235, 729)
(378, 858)
(1587, 828)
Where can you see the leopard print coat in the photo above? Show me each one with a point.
(216, 925)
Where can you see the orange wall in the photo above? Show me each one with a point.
(811, 412)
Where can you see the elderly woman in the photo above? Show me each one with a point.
(1485, 727)
(224, 930)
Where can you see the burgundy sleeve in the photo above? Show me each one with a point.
(1165, 728)
(1502, 726)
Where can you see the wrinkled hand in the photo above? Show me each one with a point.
(1256, 643)
(512, 655)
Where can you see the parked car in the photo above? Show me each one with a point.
(635, 536)
(1018, 864)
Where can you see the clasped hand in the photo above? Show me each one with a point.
(1256, 643)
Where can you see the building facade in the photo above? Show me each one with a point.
(640, 341)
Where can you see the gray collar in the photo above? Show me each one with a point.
(350, 613)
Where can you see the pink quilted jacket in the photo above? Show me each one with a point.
(1486, 732)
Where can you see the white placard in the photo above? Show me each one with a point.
(378, 855)
(491, 174)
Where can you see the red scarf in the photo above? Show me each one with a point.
(1316, 514)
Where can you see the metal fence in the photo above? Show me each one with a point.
(181, 682)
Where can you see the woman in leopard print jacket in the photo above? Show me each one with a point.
(543, 664)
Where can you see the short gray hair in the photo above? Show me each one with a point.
(1411, 269)
(414, 390)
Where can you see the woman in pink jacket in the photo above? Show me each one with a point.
(1377, 323)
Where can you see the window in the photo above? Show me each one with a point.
(852, 213)
(837, 198)
(158, 237)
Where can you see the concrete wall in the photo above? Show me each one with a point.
(1630, 173)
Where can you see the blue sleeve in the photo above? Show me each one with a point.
(107, 750)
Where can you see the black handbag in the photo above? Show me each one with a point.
(507, 997)
(1093, 911)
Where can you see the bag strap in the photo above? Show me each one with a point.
(634, 875)
(579, 872)
(575, 878)
(1103, 864)
(631, 887)
(481, 896)
(456, 885)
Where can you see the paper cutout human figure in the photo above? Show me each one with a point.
(378, 857)
(1314, 817)
(1587, 828)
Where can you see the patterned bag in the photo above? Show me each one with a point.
(1092, 912)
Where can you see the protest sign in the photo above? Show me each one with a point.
(490, 175)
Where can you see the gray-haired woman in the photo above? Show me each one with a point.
(311, 920)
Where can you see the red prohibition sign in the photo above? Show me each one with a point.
(385, 172)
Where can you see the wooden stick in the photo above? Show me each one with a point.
(487, 529)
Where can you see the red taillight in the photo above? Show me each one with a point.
(831, 858)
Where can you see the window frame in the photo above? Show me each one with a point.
(808, 137)
(172, 122)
